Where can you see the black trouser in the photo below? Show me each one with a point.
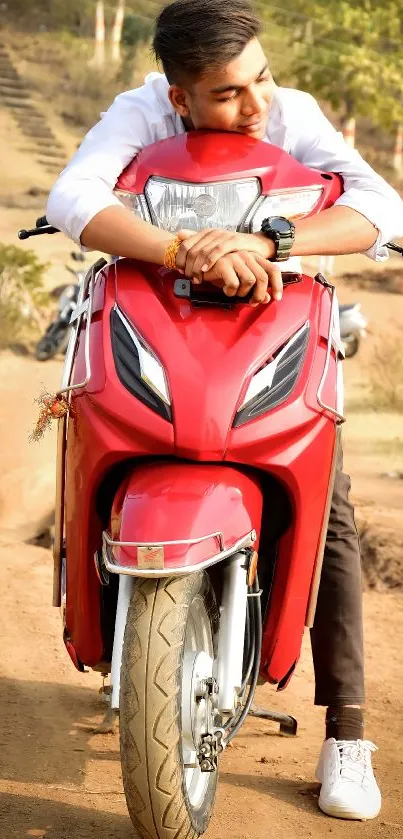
(336, 636)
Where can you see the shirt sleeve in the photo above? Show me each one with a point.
(85, 187)
(316, 143)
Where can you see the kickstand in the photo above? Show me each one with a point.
(288, 725)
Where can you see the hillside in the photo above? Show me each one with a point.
(55, 69)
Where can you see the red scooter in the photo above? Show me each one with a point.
(195, 472)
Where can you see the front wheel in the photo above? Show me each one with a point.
(168, 652)
(351, 345)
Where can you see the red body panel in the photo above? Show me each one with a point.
(209, 355)
(169, 502)
(211, 157)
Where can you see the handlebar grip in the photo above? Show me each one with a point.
(37, 231)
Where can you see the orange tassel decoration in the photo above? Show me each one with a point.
(53, 406)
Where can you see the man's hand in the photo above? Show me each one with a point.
(237, 273)
(200, 251)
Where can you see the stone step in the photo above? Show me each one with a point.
(7, 71)
(18, 104)
(61, 163)
(33, 125)
(56, 155)
(53, 172)
(14, 92)
(15, 84)
(47, 146)
(28, 117)
(50, 166)
(38, 133)
(34, 131)
(30, 113)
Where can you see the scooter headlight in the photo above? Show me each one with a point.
(291, 204)
(273, 383)
(137, 366)
(231, 205)
(175, 205)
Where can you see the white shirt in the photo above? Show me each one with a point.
(142, 116)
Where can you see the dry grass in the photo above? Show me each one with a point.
(385, 372)
(388, 280)
(59, 68)
(381, 557)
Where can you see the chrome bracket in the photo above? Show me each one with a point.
(331, 344)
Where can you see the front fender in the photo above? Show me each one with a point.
(177, 517)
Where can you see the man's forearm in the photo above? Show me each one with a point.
(116, 230)
(338, 230)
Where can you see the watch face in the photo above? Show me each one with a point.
(282, 225)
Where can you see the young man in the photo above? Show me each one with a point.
(217, 77)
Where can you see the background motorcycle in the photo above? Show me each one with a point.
(56, 337)
(353, 327)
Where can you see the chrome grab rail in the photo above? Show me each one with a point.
(114, 544)
(223, 553)
(83, 307)
(66, 387)
(331, 344)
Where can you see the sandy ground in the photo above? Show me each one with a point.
(57, 779)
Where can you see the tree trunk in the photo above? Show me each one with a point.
(99, 54)
(117, 31)
(398, 151)
(349, 131)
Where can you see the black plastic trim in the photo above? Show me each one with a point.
(284, 380)
(127, 366)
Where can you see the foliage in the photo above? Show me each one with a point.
(86, 92)
(136, 30)
(348, 52)
(75, 17)
(23, 300)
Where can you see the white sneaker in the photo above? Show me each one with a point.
(349, 789)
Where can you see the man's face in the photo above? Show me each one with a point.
(234, 98)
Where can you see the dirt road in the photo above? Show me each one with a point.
(58, 780)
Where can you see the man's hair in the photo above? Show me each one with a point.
(193, 37)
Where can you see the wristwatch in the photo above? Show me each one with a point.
(282, 232)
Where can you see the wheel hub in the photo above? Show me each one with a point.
(197, 671)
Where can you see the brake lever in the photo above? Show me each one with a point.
(394, 247)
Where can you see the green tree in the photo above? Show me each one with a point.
(136, 30)
(348, 52)
(23, 300)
